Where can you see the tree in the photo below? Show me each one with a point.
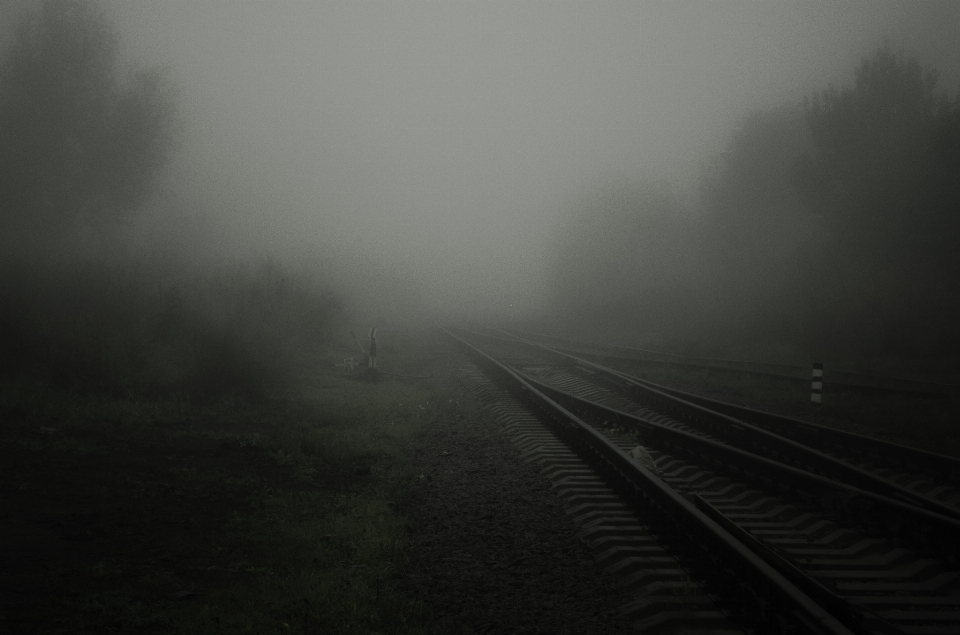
(81, 140)
(883, 175)
(885, 162)
(754, 229)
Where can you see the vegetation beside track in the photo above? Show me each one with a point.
(173, 516)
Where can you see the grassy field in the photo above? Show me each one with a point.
(928, 422)
(169, 516)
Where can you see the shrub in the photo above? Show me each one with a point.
(101, 326)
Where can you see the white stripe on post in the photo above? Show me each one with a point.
(816, 384)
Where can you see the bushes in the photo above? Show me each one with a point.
(83, 144)
(828, 230)
(113, 326)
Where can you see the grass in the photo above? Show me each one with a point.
(177, 516)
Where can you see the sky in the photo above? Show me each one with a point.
(437, 140)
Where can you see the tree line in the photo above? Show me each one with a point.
(828, 226)
(82, 138)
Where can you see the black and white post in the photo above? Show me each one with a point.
(816, 385)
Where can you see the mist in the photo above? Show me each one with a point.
(437, 141)
(420, 157)
(228, 228)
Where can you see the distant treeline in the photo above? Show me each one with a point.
(826, 228)
(83, 144)
(82, 137)
(135, 328)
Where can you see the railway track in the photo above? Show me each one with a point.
(925, 479)
(771, 531)
(666, 598)
(840, 380)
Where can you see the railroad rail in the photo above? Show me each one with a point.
(925, 479)
(827, 556)
(840, 379)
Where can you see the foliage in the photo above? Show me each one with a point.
(125, 328)
(753, 231)
(828, 229)
(81, 139)
(883, 175)
(886, 159)
(753, 178)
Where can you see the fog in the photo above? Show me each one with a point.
(226, 227)
(421, 155)
(437, 141)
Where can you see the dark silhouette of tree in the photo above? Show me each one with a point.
(829, 230)
(884, 176)
(753, 178)
(885, 167)
(81, 139)
(753, 230)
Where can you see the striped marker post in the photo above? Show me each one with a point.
(816, 384)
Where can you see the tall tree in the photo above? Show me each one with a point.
(884, 176)
(754, 229)
(81, 139)
(885, 162)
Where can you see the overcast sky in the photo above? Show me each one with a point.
(438, 138)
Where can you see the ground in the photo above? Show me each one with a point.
(347, 506)
(122, 515)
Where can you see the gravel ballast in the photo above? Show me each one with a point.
(491, 548)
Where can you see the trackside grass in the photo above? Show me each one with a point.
(285, 516)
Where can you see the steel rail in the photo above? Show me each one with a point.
(845, 378)
(783, 597)
(791, 440)
(848, 512)
(809, 433)
(919, 526)
(901, 521)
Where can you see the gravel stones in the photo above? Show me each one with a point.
(490, 545)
